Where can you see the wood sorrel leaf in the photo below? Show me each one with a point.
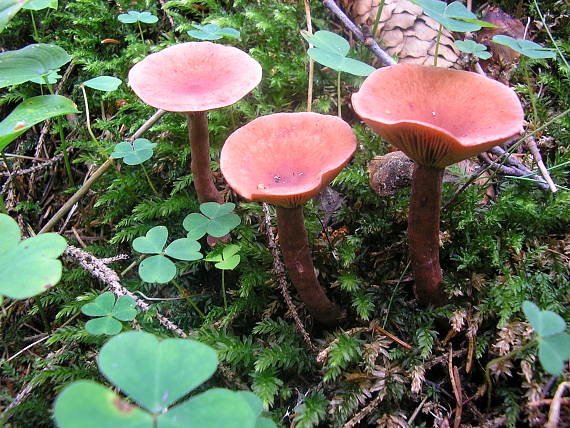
(103, 83)
(101, 306)
(471, 47)
(215, 220)
(31, 111)
(125, 308)
(525, 47)
(153, 372)
(454, 17)
(327, 41)
(159, 269)
(30, 62)
(153, 242)
(87, 404)
(216, 407)
(184, 249)
(227, 260)
(212, 32)
(140, 151)
(104, 325)
(41, 4)
(544, 323)
(30, 266)
(133, 16)
(553, 351)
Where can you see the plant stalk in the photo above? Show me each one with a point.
(200, 164)
(423, 233)
(297, 257)
(339, 111)
(34, 26)
(436, 54)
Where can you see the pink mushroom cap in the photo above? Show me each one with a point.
(438, 116)
(194, 76)
(286, 158)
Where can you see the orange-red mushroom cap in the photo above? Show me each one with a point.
(286, 158)
(438, 116)
(194, 76)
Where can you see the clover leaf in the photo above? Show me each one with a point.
(156, 374)
(525, 47)
(215, 220)
(330, 50)
(553, 342)
(454, 16)
(110, 313)
(212, 32)
(228, 259)
(159, 268)
(28, 267)
(471, 47)
(134, 154)
(133, 16)
(103, 83)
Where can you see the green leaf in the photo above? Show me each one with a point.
(471, 47)
(41, 4)
(101, 306)
(125, 308)
(265, 423)
(87, 404)
(9, 8)
(133, 16)
(104, 325)
(253, 401)
(212, 32)
(454, 17)
(328, 41)
(340, 63)
(227, 260)
(51, 78)
(30, 266)
(553, 352)
(156, 373)
(103, 83)
(215, 408)
(30, 62)
(184, 249)
(215, 220)
(140, 151)
(153, 242)
(31, 111)
(525, 47)
(159, 269)
(544, 323)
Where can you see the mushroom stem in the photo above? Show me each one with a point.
(296, 255)
(200, 164)
(423, 233)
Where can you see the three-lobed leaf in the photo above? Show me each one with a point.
(110, 311)
(454, 16)
(215, 219)
(30, 266)
(134, 154)
(184, 249)
(159, 269)
(525, 47)
(133, 16)
(212, 32)
(471, 47)
(41, 4)
(153, 242)
(228, 259)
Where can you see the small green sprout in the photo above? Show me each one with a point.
(28, 266)
(553, 341)
(155, 374)
(133, 16)
(110, 313)
(212, 32)
(525, 47)
(471, 47)
(215, 219)
(134, 154)
(228, 259)
(159, 268)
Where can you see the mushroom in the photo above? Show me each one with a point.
(437, 117)
(193, 78)
(290, 157)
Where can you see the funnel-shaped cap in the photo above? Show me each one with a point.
(438, 116)
(194, 76)
(286, 158)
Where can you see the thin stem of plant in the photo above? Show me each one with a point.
(186, 297)
(224, 289)
(545, 26)
(141, 31)
(311, 62)
(149, 181)
(437, 42)
(42, 313)
(339, 102)
(36, 35)
(378, 16)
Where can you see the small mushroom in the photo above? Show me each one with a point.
(290, 157)
(193, 78)
(437, 117)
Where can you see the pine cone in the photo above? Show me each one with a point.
(406, 32)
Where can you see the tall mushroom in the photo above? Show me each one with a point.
(193, 78)
(437, 117)
(290, 157)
